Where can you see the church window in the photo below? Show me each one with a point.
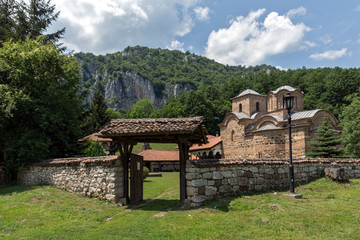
(232, 135)
(257, 107)
(240, 107)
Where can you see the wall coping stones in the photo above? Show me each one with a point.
(227, 162)
(76, 161)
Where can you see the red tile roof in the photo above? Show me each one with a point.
(95, 137)
(212, 142)
(160, 156)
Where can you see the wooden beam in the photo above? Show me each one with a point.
(185, 141)
(126, 140)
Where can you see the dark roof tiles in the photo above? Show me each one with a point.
(153, 126)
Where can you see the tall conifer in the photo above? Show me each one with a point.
(326, 142)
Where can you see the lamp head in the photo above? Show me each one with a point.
(288, 101)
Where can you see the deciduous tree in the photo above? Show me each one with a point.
(350, 121)
(42, 108)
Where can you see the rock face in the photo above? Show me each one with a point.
(125, 90)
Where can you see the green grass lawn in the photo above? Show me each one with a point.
(327, 211)
(156, 146)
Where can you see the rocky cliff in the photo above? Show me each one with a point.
(124, 91)
(156, 74)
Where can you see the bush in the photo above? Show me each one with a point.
(93, 149)
(146, 172)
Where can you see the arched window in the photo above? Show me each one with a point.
(204, 155)
(232, 135)
(211, 155)
(240, 107)
(257, 107)
(218, 155)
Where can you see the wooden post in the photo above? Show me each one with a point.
(125, 153)
(184, 156)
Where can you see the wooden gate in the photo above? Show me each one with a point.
(136, 179)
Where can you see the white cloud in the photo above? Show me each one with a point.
(297, 11)
(281, 68)
(310, 44)
(247, 41)
(326, 39)
(176, 45)
(111, 25)
(330, 55)
(202, 13)
(357, 8)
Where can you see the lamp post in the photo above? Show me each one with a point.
(288, 101)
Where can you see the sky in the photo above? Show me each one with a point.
(287, 34)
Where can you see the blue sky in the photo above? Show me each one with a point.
(283, 33)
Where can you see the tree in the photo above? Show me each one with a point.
(326, 141)
(97, 115)
(93, 149)
(43, 117)
(172, 109)
(7, 19)
(20, 20)
(142, 109)
(350, 121)
(40, 16)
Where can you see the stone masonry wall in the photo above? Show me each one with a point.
(100, 177)
(206, 179)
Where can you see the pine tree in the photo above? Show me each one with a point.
(20, 20)
(97, 115)
(40, 16)
(326, 141)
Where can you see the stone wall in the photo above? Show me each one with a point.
(207, 179)
(100, 177)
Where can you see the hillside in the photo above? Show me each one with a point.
(156, 74)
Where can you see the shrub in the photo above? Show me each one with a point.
(145, 172)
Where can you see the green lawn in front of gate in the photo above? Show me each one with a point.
(328, 211)
(156, 146)
(167, 186)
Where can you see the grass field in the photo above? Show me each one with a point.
(327, 211)
(156, 146)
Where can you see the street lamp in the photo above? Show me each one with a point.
(288, 102)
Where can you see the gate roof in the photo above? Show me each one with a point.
(165, 130)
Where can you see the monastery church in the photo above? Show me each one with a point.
(257, 127)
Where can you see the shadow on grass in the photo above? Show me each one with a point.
(158, 205)
(10, 189)
(222, 203)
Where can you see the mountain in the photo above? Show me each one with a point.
(156, 74)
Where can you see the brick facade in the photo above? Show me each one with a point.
(263, 134)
